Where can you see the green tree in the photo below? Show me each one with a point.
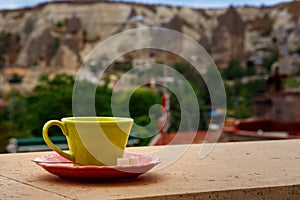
(15, 78)
(199, 86)
(233, 71)
(140, 105)
(122, 67)
(250, 68)
(239, 96)
(103, 101)
(52, 99)
(11, 118)
(141, 101)
(268, 61)
(55, 45)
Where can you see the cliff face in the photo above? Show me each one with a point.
(228, 37)
(57, 36)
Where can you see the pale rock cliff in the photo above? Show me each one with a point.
(56, 37)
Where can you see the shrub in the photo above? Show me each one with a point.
(233, 71)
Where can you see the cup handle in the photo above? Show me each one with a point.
(50, 143)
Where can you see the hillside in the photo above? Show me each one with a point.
(56, 37)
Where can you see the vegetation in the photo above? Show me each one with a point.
(59, 24)
(250, 70)
(122, 67)
(239, 97)
(200, 89)
(238, 94)
(15, 78)
(56, 45)
(268, 61)
(233, 71)
(52, 99)
(139, 103)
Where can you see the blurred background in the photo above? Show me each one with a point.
(255, 45)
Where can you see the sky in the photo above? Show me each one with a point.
(13, 4)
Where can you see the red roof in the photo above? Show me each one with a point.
(3, 104)
(187, 137)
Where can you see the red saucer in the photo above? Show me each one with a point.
(64, 168)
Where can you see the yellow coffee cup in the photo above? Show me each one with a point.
(92, 140)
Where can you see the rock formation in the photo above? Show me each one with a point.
(56, 37)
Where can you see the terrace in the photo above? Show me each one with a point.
(244, 170)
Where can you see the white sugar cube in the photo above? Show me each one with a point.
(122, 161)
(133, 160)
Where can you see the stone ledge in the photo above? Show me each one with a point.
(280, 192)
(245, 170)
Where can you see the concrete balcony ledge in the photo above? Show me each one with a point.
(245, 170)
